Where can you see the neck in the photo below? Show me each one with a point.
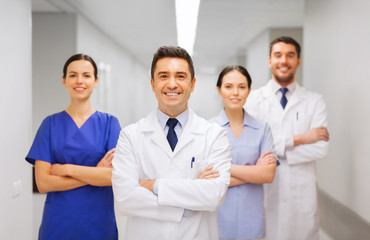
(283, 84)
(235, 116)
(80, 108)
(173, 113)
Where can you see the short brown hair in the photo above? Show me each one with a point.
(287, 40)
(172, 52)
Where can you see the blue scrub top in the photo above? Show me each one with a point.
(86, 212)
(241, 216)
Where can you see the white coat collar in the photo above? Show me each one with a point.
(195, 126)
(298, 95)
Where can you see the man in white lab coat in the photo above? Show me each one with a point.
(298, 121)
(171, 169)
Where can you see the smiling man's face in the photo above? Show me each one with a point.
(283, 62)
(172, 85)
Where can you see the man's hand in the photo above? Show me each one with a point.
(208, 173)
(148, 184)
(106, 161)
(312, 136)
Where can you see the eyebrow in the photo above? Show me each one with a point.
(279, 52)
(164, 72)
(76, 72)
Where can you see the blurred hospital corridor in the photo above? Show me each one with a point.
(37, 36)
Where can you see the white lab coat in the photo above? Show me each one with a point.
(143, 153)
(291, 200)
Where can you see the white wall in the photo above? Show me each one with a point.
(15, 121)
(336, 64)
(205, 100)
(130, 94)
(256, 60)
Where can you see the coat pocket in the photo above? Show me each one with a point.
(194, 168)
(301, 123)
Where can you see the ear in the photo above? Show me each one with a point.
(152, 83)
(249, 91)
(96, 82)
(64, 82)
(269, 62)
(219, 90)
(193, 84)
(299, 62)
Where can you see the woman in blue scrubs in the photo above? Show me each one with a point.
(72, 153)
(241, 216)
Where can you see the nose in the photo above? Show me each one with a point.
(79, 79)
(172, 83)
(235, 91)
(284, 59)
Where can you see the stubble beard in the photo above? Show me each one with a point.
(284, 80)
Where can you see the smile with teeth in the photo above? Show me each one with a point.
(79, 89)
(283, 69)
(172, 94)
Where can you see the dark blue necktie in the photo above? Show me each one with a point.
(171, 135)
(283, 100)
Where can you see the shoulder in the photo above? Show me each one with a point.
(133, 129)
(218, 120)
(260, 92)
(310, 95)
(256, 123)
(202, 126)
(214, 120)
(54, 118)
(106, 116)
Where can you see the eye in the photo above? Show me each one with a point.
(227, 86)
(242, 87)
(181, 76)
(163, 76)
(72, 75)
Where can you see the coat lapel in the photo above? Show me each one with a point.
(186, 135)
(270, 97)
(151, 126)
(296, 97)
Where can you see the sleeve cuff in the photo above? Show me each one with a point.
(289, 143)
(155, 187)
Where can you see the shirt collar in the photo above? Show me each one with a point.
(163, 118)
(247, 122)
(276, 87)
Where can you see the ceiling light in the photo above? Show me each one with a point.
(186, 23)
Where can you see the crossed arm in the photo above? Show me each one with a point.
(63, 177)
(262, 172)
(312, 136)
